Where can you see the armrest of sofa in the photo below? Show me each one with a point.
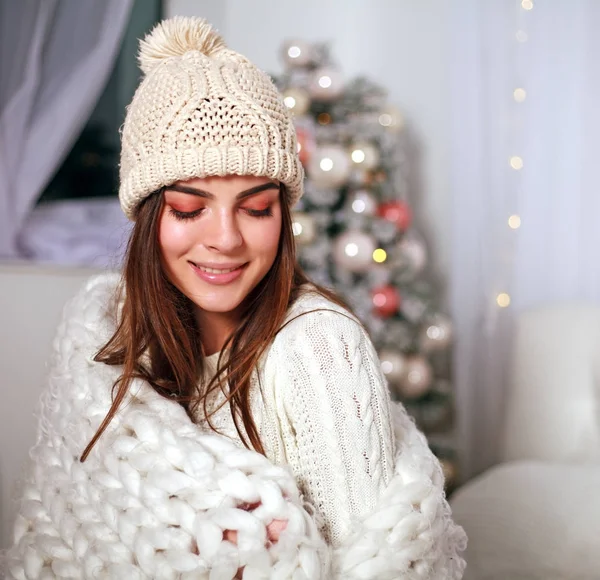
(553, 401)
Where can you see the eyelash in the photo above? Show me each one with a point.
(184, 216)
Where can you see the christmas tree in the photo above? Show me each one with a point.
(355, 234)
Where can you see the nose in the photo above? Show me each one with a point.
(222, 232)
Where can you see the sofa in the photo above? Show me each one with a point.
(31, 301)
(536, 514)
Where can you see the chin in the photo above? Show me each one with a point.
(220, 299)
(220, 305)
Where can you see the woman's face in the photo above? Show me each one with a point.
(219, 237)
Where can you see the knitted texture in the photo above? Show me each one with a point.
(202, 110)
(323, 408)
(157, 491)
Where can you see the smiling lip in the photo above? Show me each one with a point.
(218, 273)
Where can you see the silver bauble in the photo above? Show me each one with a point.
(362, 202)
(353, 251)
(329, 166)
(417, 379)
(393, 365)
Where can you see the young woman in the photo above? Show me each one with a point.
(211, 413)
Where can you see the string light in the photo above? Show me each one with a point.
(358, 156)
(503, 300)
(358, 206)
(379, 255)
(516, 162)
(297, 228)
(519, 95)
(514, 221)
(522, 36)
(290, 102)
(326, 164)
(385, 120)
(294, 51)
(351, 250)
(325, 82)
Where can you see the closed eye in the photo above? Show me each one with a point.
(185, 215)
(189, 215)
(267, 212)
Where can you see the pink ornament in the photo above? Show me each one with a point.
(386, 301)
(396, 212)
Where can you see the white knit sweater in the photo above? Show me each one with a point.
(322, 406)
(157, 491)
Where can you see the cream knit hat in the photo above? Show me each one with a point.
(202, 110)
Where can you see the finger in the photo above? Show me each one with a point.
(230, 536)
(275, 528)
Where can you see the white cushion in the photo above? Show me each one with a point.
(532, 520)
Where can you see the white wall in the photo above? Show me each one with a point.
(401, 44)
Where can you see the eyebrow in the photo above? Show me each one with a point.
(208, 195)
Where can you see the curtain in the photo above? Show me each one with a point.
(526, 207)
(55, 57)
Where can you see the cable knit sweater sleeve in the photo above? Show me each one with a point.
(334, 410)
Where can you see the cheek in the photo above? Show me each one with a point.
(174, 238)
(265, 237)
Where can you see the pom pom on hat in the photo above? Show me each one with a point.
(175, 37)
(202, 110)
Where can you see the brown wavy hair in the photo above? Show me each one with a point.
(157, 338)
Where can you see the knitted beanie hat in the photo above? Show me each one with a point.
(201, 110)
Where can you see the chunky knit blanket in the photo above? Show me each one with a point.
(156, 494)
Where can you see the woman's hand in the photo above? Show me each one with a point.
(274, 530)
